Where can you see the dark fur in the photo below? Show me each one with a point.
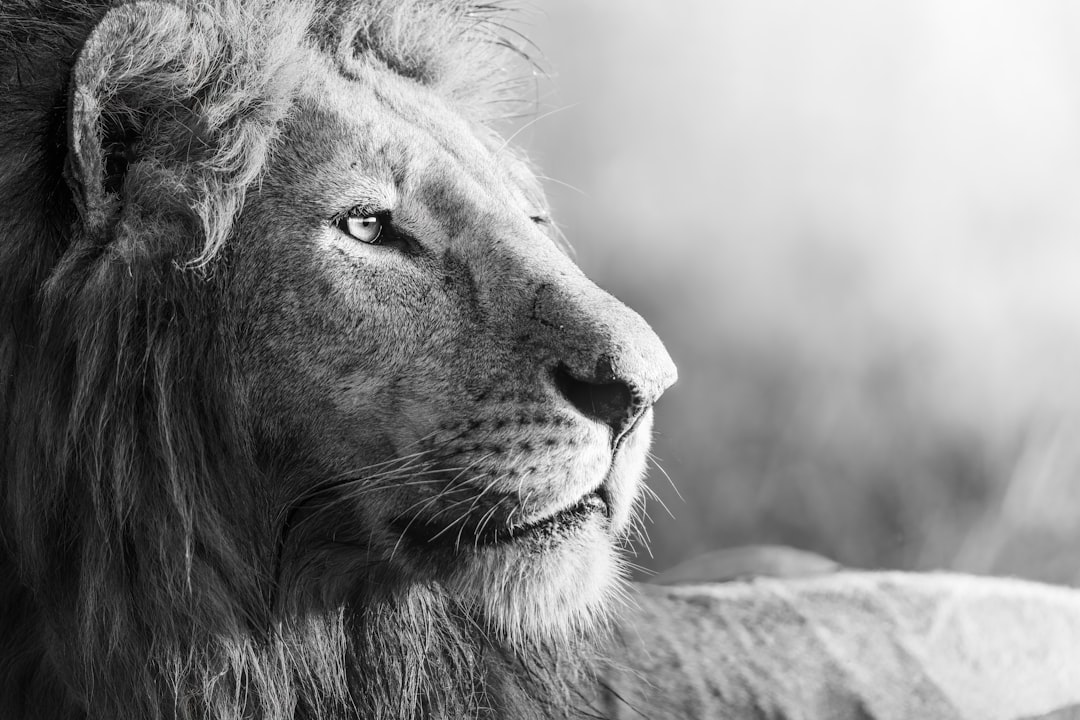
(139, 568)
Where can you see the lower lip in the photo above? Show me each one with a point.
(560, 523)
(591, 504)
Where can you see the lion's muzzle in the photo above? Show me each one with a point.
(612, 367)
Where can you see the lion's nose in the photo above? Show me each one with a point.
(611, 367)
(601, 397)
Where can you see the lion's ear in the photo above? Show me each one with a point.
(127, 69)
(172, 110)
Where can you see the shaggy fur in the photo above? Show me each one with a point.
(155, 559)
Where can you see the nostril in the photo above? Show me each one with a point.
(610, 402)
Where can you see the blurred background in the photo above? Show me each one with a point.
(856, 225)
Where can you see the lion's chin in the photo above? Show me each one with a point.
(559, 587)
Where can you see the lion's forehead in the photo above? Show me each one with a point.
(382, 140)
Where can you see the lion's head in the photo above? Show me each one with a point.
(303, 408)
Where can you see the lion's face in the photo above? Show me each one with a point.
(455, 400)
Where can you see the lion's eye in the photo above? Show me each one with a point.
(365, 228)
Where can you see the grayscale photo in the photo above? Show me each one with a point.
(539, 360)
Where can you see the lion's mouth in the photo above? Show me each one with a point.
(475, 533)
(593, 503)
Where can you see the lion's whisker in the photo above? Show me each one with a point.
(457, 503)
(361, 489)
(469, 481)
(442, 532)
(404, 459)
(485, 519)
(640, 568)
(365, 483)
(656, 461)
(352, 494)
(343, 479)
(652, 494)
(439, 495)
(639, 529)
(491, 484)
(355, 494)
(423, 504)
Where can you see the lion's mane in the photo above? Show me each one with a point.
(135, 575)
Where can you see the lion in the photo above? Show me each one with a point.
(306, 412)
